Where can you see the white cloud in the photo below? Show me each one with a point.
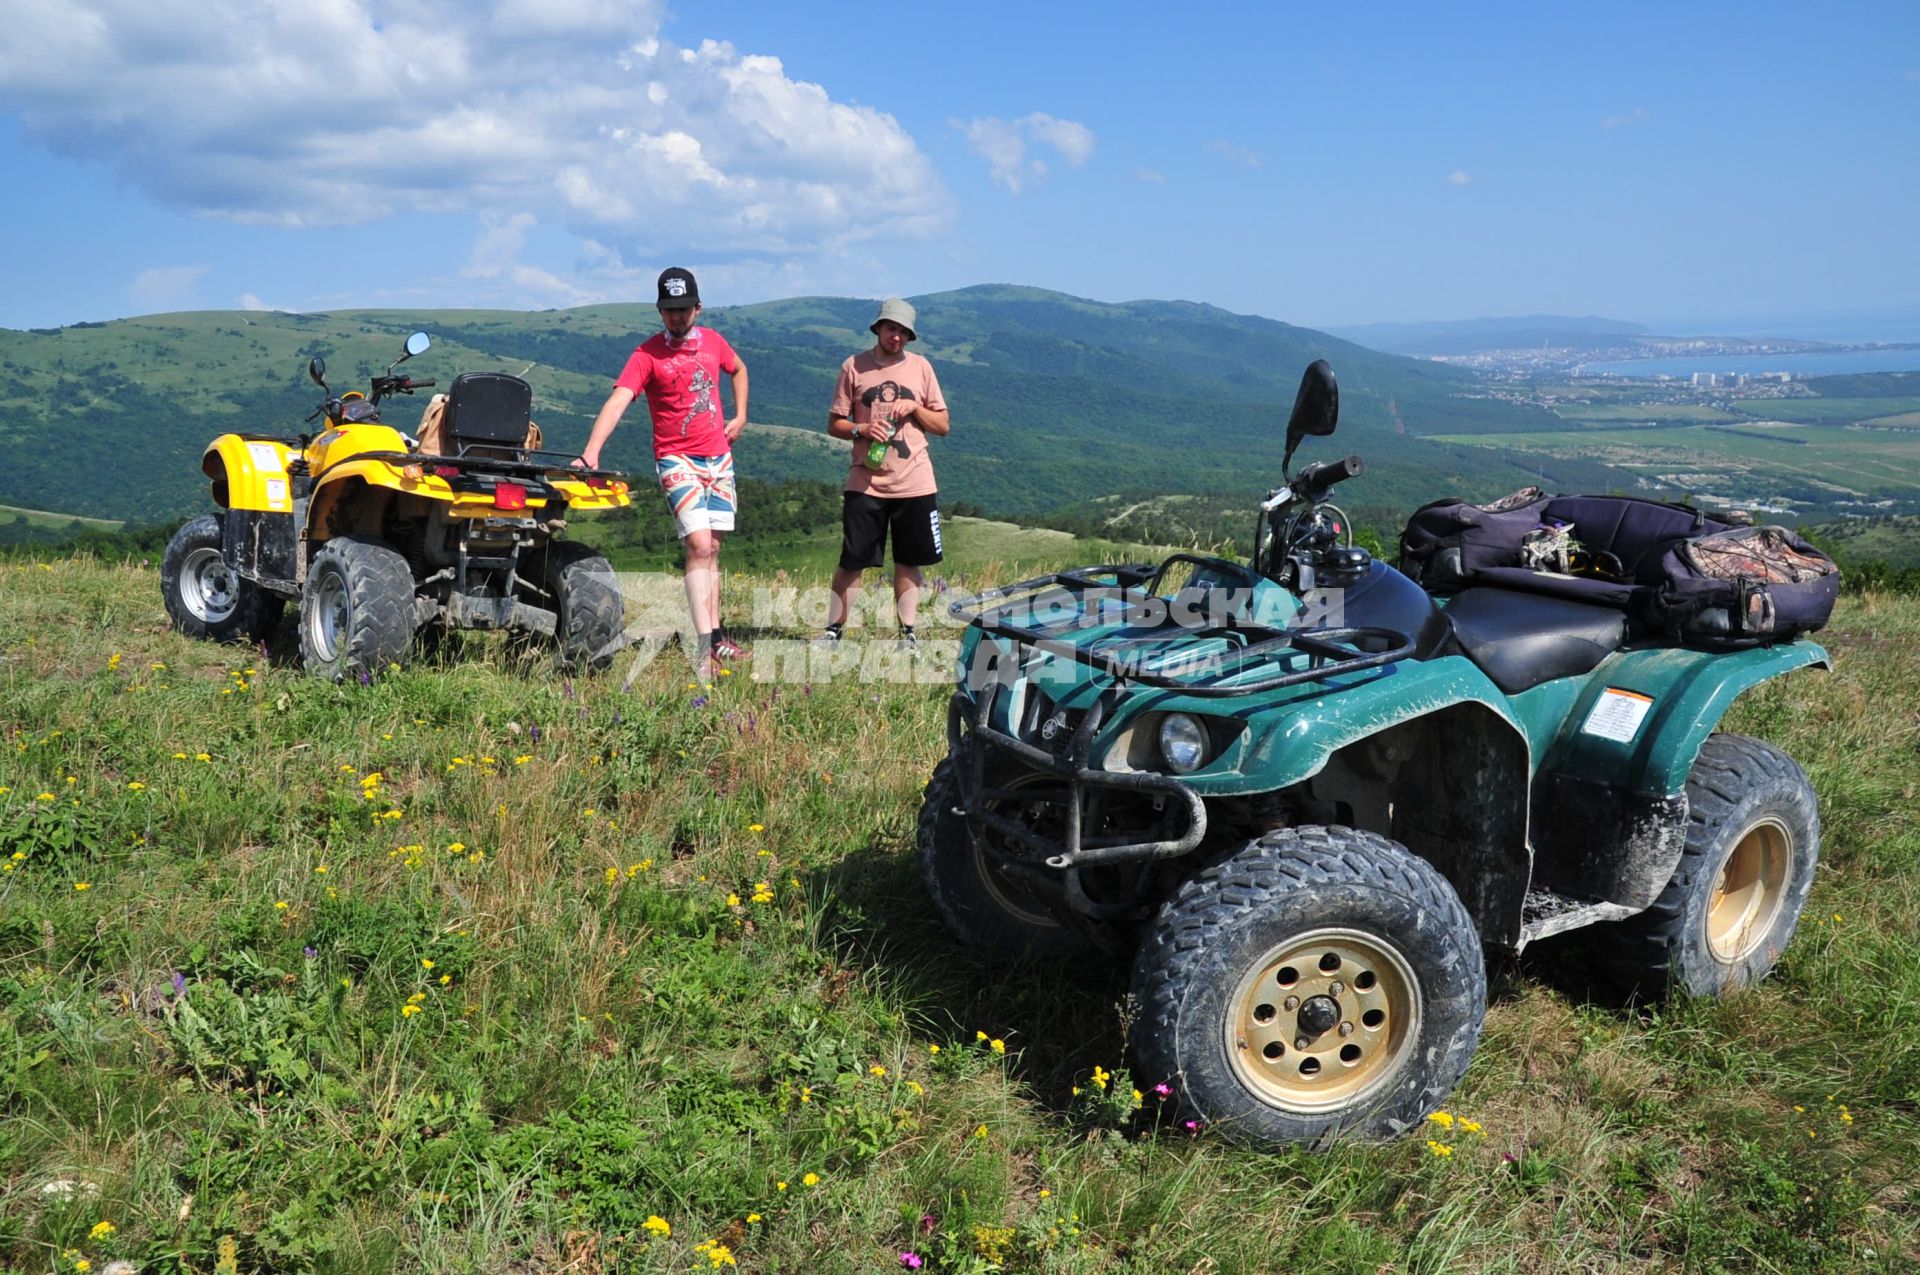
(575, 112)
(1004, 143)
(248, 301)
(1635, 116)
(1235, 152)
(1150, 175)
(1458, 177)
(167, 286)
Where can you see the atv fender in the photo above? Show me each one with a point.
(1294, 741)
(1610, 797)
(1689, 691)
(248, 477)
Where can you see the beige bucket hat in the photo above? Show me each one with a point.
(894, 310)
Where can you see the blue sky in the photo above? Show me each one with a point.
(1688, 166)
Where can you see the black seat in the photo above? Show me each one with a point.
(1523, 639)
(488, 412)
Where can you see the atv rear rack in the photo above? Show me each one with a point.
(1330, 652)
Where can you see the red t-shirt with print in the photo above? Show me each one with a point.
(681, 381)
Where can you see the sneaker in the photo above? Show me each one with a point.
(726, 649)
(828, 638)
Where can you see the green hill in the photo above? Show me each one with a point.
(1056, 399)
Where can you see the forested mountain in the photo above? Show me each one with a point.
(1056, 400)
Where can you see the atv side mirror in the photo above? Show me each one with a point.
(418, 343)
(317, 371)
(1316, 408)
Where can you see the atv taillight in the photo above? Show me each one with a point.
(598, 484)
(446, 471)
(509, 496)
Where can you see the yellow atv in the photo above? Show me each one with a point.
(379, 536)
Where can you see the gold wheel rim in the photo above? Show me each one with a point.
(1322, 1020)
(1750, 892)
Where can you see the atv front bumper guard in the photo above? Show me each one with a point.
(970, 741)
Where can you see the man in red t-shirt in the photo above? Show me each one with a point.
(679, 371)
(888, 402)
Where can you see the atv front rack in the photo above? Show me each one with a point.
(1329, 652)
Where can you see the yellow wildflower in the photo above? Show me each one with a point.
(408, 1011)
(137, 786)
(997, 1046)
(281, 905)
(811, 1179)
(1440, 1149)
(426, 963)
(1442, 1118)
(101, 1230)
(83, 886)
(980, 1132)
(933, 1049)
(756, 827)
(733, 900)
(658, 1225)
(877, 1070)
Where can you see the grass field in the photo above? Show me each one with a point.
(1746, 461)
(54, 521)
(475, 969)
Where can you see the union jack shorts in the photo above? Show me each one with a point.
(699, 491)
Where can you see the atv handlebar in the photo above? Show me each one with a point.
(1321, 476)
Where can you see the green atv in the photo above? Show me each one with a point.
(1307, 825)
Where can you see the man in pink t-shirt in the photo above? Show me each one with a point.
(888, 402)
(679, 370)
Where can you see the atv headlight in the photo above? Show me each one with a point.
(1183, 742)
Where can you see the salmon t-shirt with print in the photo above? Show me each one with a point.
(872, 389)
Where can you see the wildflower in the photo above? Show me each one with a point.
(919, 1091)
(1442, 1118)
(1163, 1090)
(321, 869)
(756, 827)
(779, 1186)
(912, 1261)
(179, 756)
(83, 886)
(101, 1230)
(613, 874)
(523, 759)
(1100, 1077)
(877, 1070)
(980, 1132)
(720, 1255)
(658, 1225)
(445, 979)
(408, 1011)
(425, 963)
(46, 796)
(763, 893)
(457, 847)
(1139, 1100)
(933, 1049)
(137, 786)
(812, 1179)
(733, 900)
(113, 661)
(1472, 1126)
(806, 1093)
(1440, 1149)
(1044, 1193)
(82, 1265)
(753, 1219)
(587, 813)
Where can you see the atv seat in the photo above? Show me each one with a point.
(487, 414)
(1523, 639)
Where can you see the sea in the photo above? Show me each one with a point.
(1827, 363)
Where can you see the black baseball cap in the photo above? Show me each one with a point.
(678, 291)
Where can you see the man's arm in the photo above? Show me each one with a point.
(739, 421)
(934, 422)
(603, 425)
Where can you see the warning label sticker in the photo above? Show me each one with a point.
(1618, 714)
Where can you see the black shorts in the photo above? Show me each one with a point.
(865, 521)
